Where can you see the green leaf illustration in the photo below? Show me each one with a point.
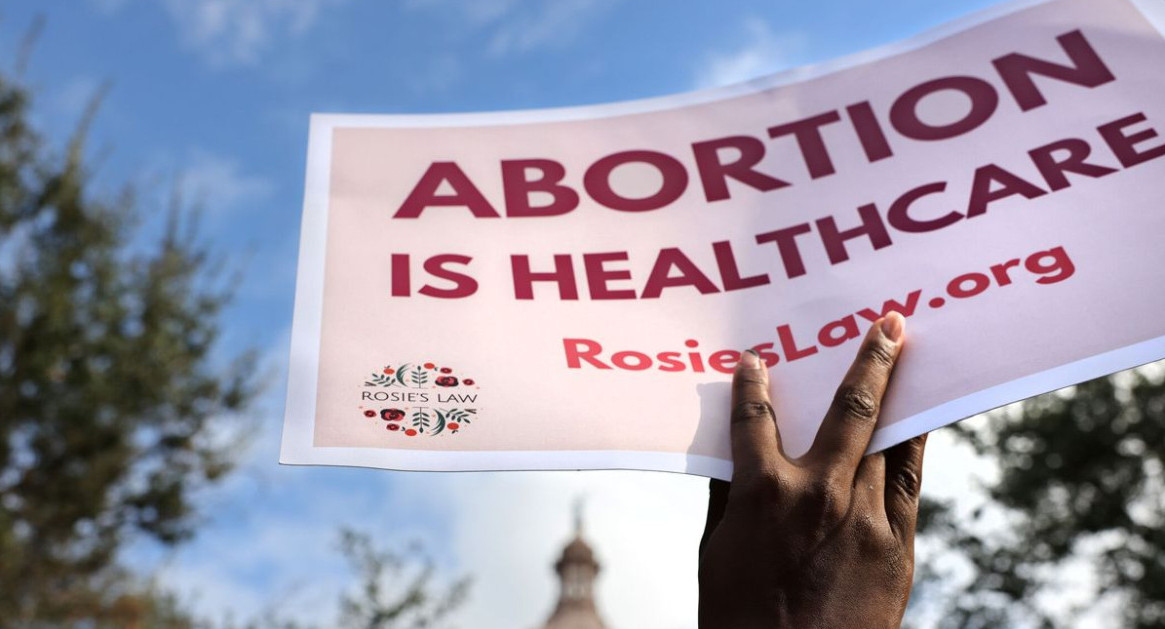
(379, 380)
(420, 419)
(400, 374)
(420, 376)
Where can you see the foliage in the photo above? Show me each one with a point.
(396, 590)
(393, 589)
(108, 387)
(1078, 490)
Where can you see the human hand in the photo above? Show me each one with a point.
(824, 541)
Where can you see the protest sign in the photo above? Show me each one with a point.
(570, 288)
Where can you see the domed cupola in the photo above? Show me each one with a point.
(577, 570)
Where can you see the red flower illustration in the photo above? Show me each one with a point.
(370, 413)
(446, 370)
(467, 382)
(446, 381)
(429, 365)
(389, 371)
(392, 426)
(410, 432)
(453, 426)
(392, 414)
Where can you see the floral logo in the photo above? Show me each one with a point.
(414, 399)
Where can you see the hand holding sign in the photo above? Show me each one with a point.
(826, 540)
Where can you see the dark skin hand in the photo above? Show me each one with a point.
(825, 541)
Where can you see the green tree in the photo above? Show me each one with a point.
(1079, 488)
(108, 387)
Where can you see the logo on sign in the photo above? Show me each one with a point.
(413, 399)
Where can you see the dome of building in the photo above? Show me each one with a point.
(577, 570)
(578, 551)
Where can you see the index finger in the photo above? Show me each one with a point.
(755, 441)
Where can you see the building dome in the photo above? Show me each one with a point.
(579, 552)
(577, 570)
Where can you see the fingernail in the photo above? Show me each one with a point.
(892, 326)
(749, 359)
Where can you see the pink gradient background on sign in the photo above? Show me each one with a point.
(529, 400)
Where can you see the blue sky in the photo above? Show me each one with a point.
(217, 93)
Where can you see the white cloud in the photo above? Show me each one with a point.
(435, 75)
(552, 24)
(478, 12)
(764, 52)
(516, 27)
(219, 184)
(230, 32)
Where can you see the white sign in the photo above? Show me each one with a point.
(571, 288)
